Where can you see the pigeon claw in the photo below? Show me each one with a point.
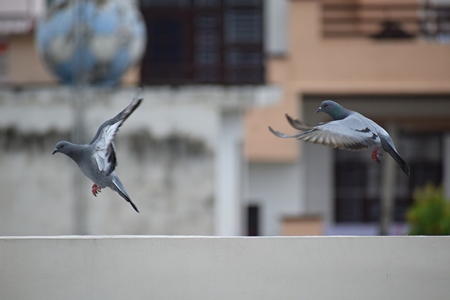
(376, 155)
(96, 189)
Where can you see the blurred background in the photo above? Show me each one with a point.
(196, 157)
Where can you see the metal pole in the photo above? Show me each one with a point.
(79, 95)
(446, 165)
(388, 184)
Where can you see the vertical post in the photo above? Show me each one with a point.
(79, 94)
(388, 183)
(228, 210)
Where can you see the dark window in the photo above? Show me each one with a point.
(429, 19)
(253, 217)
(351, 199)
(203, 41)
(358, 178)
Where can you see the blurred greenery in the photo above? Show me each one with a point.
(430, 213)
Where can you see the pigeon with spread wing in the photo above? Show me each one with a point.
(349, 130)
(97, 160)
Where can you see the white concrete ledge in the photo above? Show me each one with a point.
(160, 267)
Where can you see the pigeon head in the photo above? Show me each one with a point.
(65, 148)
(335, 110)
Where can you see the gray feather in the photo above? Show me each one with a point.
(297, 124)
(389, 147)
(116, 185)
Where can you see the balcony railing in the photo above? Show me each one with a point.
(382, 20)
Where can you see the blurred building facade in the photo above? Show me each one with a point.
(390, 61)
(180, 156)
(208, 61)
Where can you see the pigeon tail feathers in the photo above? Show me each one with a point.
(118, 187)
(389, 149)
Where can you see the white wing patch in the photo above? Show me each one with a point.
(103, 150)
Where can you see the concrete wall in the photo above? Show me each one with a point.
(224, 268)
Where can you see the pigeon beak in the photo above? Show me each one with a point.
(319, 109)
(54, 151)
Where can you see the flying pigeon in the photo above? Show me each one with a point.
(97, 160)
(349, 131)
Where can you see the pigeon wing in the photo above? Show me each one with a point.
(297, 124)
(104, 150)
(350, 133)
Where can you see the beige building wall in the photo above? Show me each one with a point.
(314, 65)
(25, 66)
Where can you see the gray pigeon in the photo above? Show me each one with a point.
(349, 131)
(97, 160)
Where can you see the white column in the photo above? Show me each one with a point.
(228, 159)
(276, 26)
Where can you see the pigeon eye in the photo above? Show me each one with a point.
(325, 105)
(62, 146)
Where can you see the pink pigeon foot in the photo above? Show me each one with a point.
(95, 190)
(375, 155)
